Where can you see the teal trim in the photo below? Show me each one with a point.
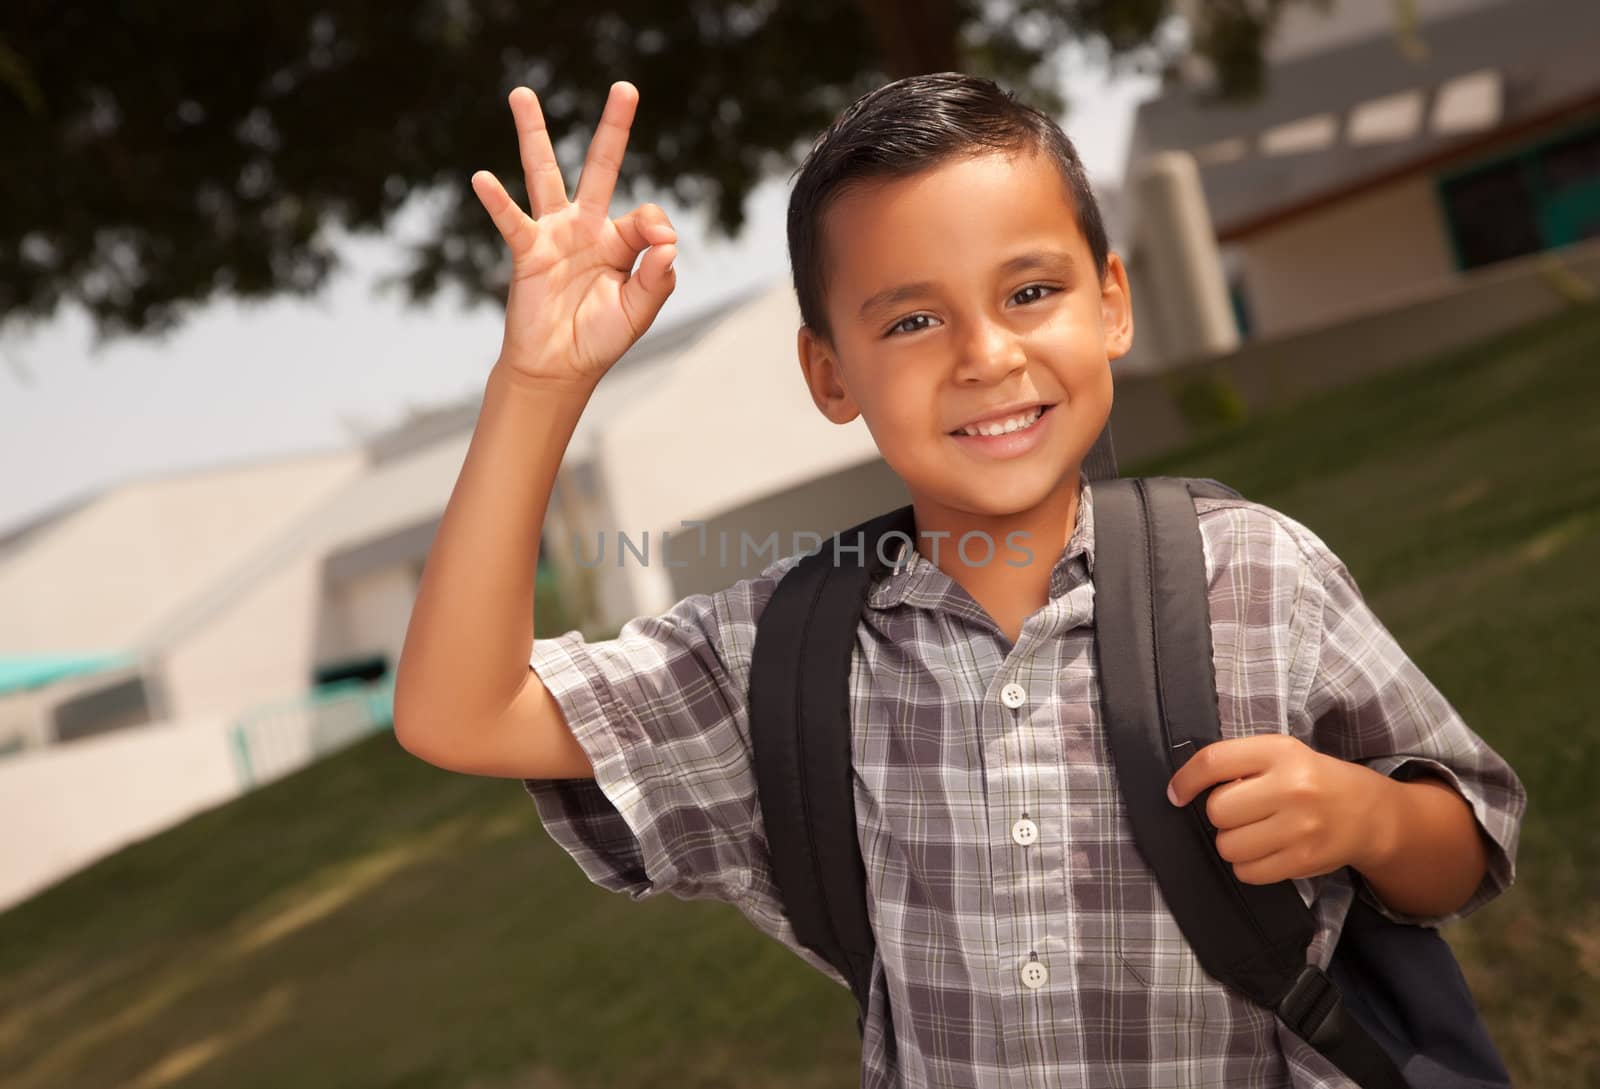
(36, 670)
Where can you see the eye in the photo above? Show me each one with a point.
(1041, 288)
(903, 324)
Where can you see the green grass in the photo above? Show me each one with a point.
(372, 921)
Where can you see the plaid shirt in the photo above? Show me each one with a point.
(962, 896)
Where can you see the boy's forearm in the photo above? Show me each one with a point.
(1431, 856)
(471, 630)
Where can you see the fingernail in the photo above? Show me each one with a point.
(1171, 797)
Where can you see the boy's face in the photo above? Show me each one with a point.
(995, 308)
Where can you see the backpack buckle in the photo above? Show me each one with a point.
(1306, 1006)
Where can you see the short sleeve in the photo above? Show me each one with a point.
(661, 712)
(1369, 702)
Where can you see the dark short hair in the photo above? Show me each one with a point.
(908, 126)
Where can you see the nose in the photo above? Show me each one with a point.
(990, 353)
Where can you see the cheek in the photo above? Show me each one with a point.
(1088, 379)
(896, 395)
(1075, 341)
(903, 411)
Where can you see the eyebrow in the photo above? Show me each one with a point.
(1039, 259)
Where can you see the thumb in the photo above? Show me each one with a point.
(644, 293)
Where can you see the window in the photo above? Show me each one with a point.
(1543, 196)
(372, 668)
(1492, 213)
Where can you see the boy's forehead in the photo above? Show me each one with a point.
(960, 210)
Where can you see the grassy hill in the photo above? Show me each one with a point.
(372, 921)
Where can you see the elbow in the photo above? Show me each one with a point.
(417, 721)
(412, 733)
(437, 738)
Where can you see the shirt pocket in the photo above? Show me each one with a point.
(1150, 944)
(1151, 949)
(1146, 946)
(1123, 937)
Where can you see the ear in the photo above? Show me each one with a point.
(820, 365)
(1116, 308)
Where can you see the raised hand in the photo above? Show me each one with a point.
(573, 307)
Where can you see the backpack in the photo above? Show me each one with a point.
(1393, 1011)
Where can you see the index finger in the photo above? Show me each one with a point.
(1220, 762)
(547, 193)
(604, 161)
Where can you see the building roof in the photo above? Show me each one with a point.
(1333, 121)
(14, 538)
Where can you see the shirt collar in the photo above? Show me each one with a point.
(914, 572)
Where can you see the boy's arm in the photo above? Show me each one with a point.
(1429, 856)
(465, 698)
(1455, 806)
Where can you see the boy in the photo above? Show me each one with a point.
(957, 293)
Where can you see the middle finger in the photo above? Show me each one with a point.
(600, 168)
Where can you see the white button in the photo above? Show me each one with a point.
(1012, 695)
(1034, 975)
(1025, 832)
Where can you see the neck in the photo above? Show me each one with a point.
(1014, 550)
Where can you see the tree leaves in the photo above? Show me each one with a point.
(160, 154)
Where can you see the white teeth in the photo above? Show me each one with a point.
(1005, 427)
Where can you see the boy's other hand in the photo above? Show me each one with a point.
(573, 308)
(1284, 810)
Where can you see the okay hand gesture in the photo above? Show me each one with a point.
(573, 307)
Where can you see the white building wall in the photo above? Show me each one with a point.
(1365, 253)
(262, 648)
(371, 613)
(64, 807)
(94, 581)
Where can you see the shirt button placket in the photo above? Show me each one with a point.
(1033, 972)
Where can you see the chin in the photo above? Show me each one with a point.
(1002, 502)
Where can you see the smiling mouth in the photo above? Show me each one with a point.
(1022, 421)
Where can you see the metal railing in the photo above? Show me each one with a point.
(276, 738)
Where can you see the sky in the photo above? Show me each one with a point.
(241, 382)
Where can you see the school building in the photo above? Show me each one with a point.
(1382, 164)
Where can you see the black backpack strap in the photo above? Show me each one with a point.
(1153, 642)
(800, 734)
